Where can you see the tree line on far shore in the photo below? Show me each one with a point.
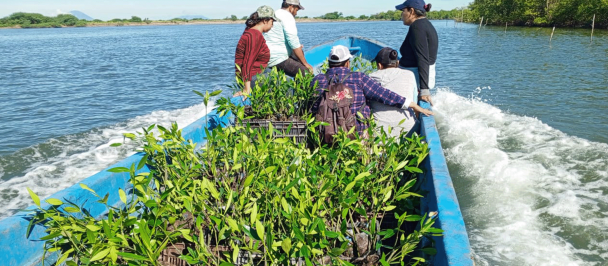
(35, 20)
(336, 15)
(560, 13)
(544, 13)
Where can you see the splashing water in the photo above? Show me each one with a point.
(530, 194)
(61, 162)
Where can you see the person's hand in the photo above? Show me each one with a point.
(246, 90)
(419, 110)
(425, 111)
(427, 98)
(241, 93)
(310, 68)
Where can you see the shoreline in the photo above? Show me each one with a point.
(193, 22)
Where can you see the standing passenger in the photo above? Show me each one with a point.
(286, 51)
(252, 53)
(419, 49)
(400, 81)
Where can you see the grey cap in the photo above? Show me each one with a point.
(295, 3)
(266, 12)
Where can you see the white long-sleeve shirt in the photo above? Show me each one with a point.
(282, 38)
(402, 82)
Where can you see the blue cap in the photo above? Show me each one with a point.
(416, 4)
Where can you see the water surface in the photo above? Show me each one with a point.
(522, 120)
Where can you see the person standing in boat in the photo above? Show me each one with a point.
(252, 53)
(363, 88)
(286, 51)
(419, 49)
(400, 81)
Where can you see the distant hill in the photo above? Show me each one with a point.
(81, 15)
(193, 17)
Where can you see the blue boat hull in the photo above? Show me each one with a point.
(453, 248)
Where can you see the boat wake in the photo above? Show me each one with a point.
(530, 194)
(61, 162)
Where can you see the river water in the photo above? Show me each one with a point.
(523, 121)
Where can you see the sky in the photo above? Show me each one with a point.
(165, 9)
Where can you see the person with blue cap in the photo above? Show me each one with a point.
(419, 49)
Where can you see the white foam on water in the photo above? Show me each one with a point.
(83, 155)
(530, 194)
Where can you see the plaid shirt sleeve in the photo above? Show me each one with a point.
(321, 81)
(374, 91)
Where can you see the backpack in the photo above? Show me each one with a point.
(334, 109)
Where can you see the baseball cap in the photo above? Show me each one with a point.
(266, 12)
(416, 4)
(387, 56)
(339, 53)
(295, 3)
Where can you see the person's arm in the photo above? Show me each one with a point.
(291, 35)
(420, 44)
(299, 52)
(374, 91)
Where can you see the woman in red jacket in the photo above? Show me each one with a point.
(252, 53)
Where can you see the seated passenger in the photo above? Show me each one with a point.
(252, 53)
(400, 81)
(363, 88)
(286, 51)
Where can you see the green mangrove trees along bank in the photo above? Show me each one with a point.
(34, 20)
(560, 13)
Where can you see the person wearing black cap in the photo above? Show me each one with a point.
(402, 82)
(419, 49)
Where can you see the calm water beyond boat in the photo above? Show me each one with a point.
(522, 120)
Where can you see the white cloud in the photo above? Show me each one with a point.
(59, 12)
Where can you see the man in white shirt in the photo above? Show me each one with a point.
(286, 51)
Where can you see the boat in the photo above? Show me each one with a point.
(453, 248)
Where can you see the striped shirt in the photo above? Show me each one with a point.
(252, 54)
(364, 89)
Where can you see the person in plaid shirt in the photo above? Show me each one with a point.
(364, 88)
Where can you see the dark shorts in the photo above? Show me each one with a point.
(292, 66)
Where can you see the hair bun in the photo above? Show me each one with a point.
(252, 20)
(427, 7)
(393, 55)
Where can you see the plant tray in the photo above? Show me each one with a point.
(298, 130)
(170, 255)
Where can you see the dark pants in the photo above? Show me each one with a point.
(292, 66)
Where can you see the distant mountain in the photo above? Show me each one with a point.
(81, 15)
(193, 17)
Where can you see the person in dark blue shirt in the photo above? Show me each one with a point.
(419, 49)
